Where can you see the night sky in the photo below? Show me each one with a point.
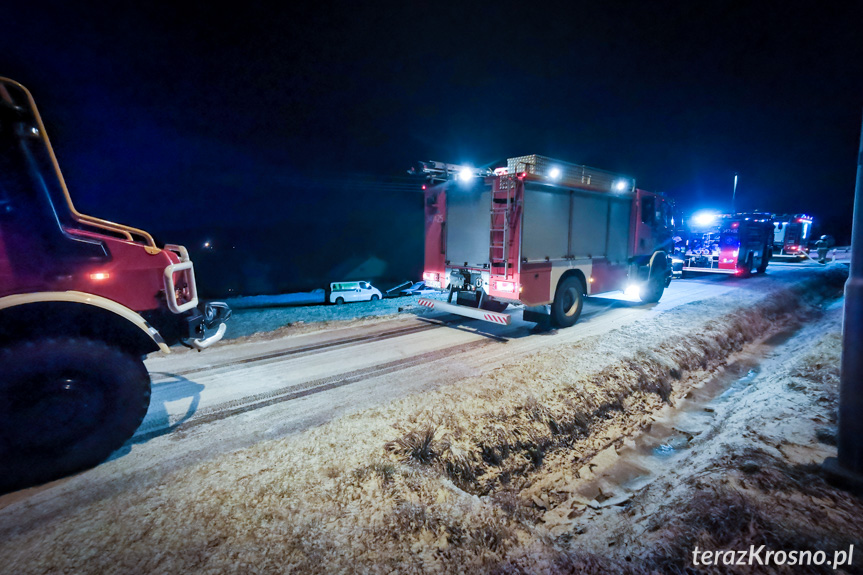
(286, 132)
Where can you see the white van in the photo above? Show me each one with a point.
(342, 292)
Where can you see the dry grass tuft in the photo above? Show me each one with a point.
(416, 445)
(771, 503)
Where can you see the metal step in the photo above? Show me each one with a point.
(472, 312)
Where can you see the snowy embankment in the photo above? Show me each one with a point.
(317, 296)
(257, 314)
(478, 476)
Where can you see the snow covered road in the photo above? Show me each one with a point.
(245, 391)
(382, 361)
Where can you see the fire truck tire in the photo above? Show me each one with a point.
(65, 405)
(568, 301)
(746, 270)
(652, 290)
(765, 259)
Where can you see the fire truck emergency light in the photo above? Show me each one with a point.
(704, 218)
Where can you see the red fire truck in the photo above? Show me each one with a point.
(543, 233)
(736, 244)
(82, 301)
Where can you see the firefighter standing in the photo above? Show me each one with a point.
(822, 245)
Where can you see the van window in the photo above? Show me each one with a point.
(365, 285)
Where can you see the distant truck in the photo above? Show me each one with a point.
(82, 302)
(543, 233)
(791, 235)
(737, 244)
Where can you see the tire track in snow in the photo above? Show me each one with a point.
(307, 350)
(296, 391)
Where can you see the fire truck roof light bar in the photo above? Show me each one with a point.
(441, 171)
(568, 174)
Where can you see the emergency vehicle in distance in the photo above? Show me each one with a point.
(543, 233)
(791, 235)
(736, 244)
(82, 301)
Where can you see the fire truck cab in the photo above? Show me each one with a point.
(82, 302)
(543, 233)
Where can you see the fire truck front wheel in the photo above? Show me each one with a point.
(568, 301)
(65, 405)
(657, 281)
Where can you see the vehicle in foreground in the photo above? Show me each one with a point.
(543, 233)
(347, 292)
(737, 244)
(82, 301)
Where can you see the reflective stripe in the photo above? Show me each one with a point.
(86, 299)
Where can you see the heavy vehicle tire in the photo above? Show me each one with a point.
(375, 297)
(765, 259)
(568, 301)
(65, 405)
(746, 270)
(340, 300)
(652, 290)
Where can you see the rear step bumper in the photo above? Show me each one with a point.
(471, 312)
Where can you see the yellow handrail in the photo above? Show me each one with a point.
(126, 231)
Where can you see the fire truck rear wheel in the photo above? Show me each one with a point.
(746, 270)
(65, 405)
(568, 301)
(765, 259)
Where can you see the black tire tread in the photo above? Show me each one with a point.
(558, 314)
(131, 400)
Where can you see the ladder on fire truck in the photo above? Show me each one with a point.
(505, 206)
